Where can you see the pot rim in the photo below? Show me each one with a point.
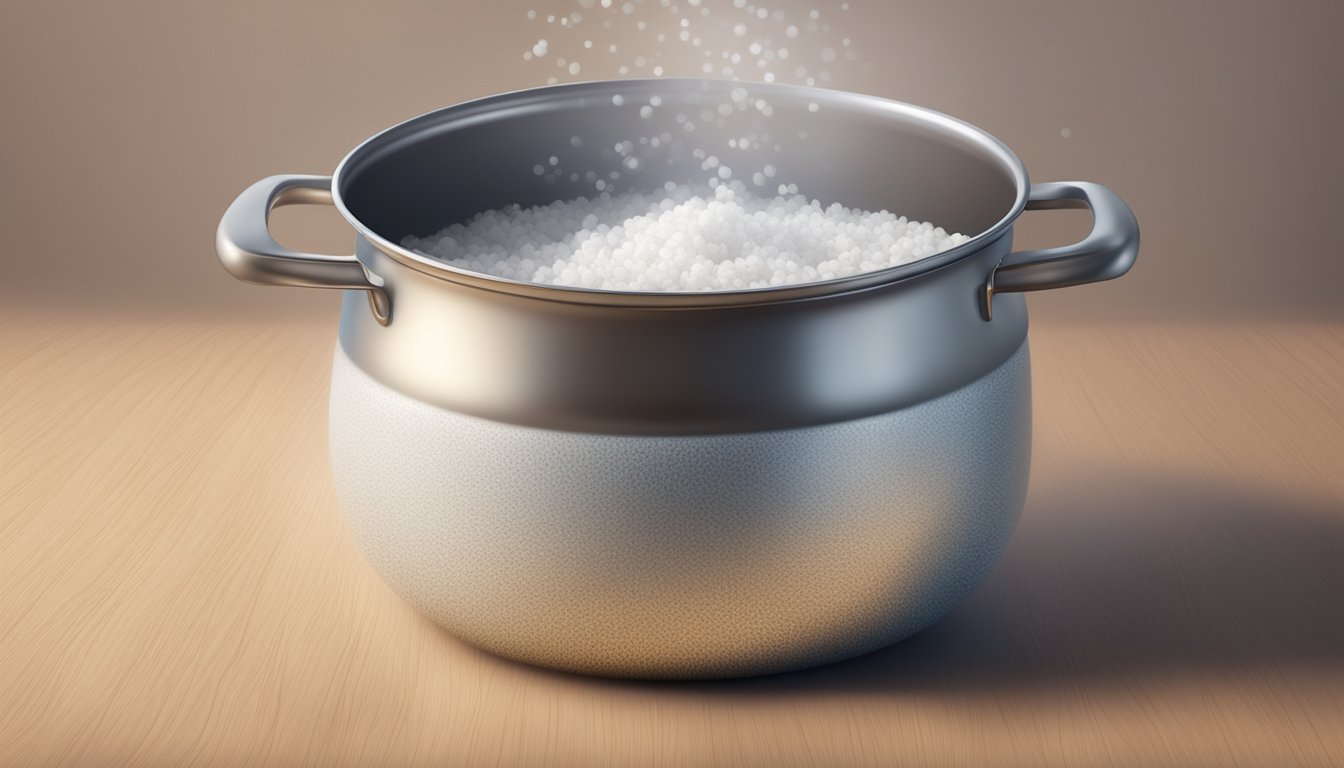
(444, 117)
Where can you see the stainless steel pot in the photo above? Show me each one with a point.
(681, 484)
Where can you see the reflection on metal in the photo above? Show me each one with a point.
(247, 250)
(1107, 252)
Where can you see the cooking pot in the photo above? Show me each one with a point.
(680, 485)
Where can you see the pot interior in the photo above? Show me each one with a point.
(859, 151)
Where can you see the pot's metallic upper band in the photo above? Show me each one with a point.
(679, 363)
(639, 370)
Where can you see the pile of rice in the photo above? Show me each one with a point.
(683, 238)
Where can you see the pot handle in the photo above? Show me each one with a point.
(247, 250)
(1108, 251)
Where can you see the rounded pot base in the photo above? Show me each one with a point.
(687, 556)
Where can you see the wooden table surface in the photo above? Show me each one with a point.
(177, 586)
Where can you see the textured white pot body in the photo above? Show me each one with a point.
(683, 556)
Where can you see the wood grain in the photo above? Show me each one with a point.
(177, 587)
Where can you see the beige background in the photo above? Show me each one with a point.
(126, 129)
(177, 586)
